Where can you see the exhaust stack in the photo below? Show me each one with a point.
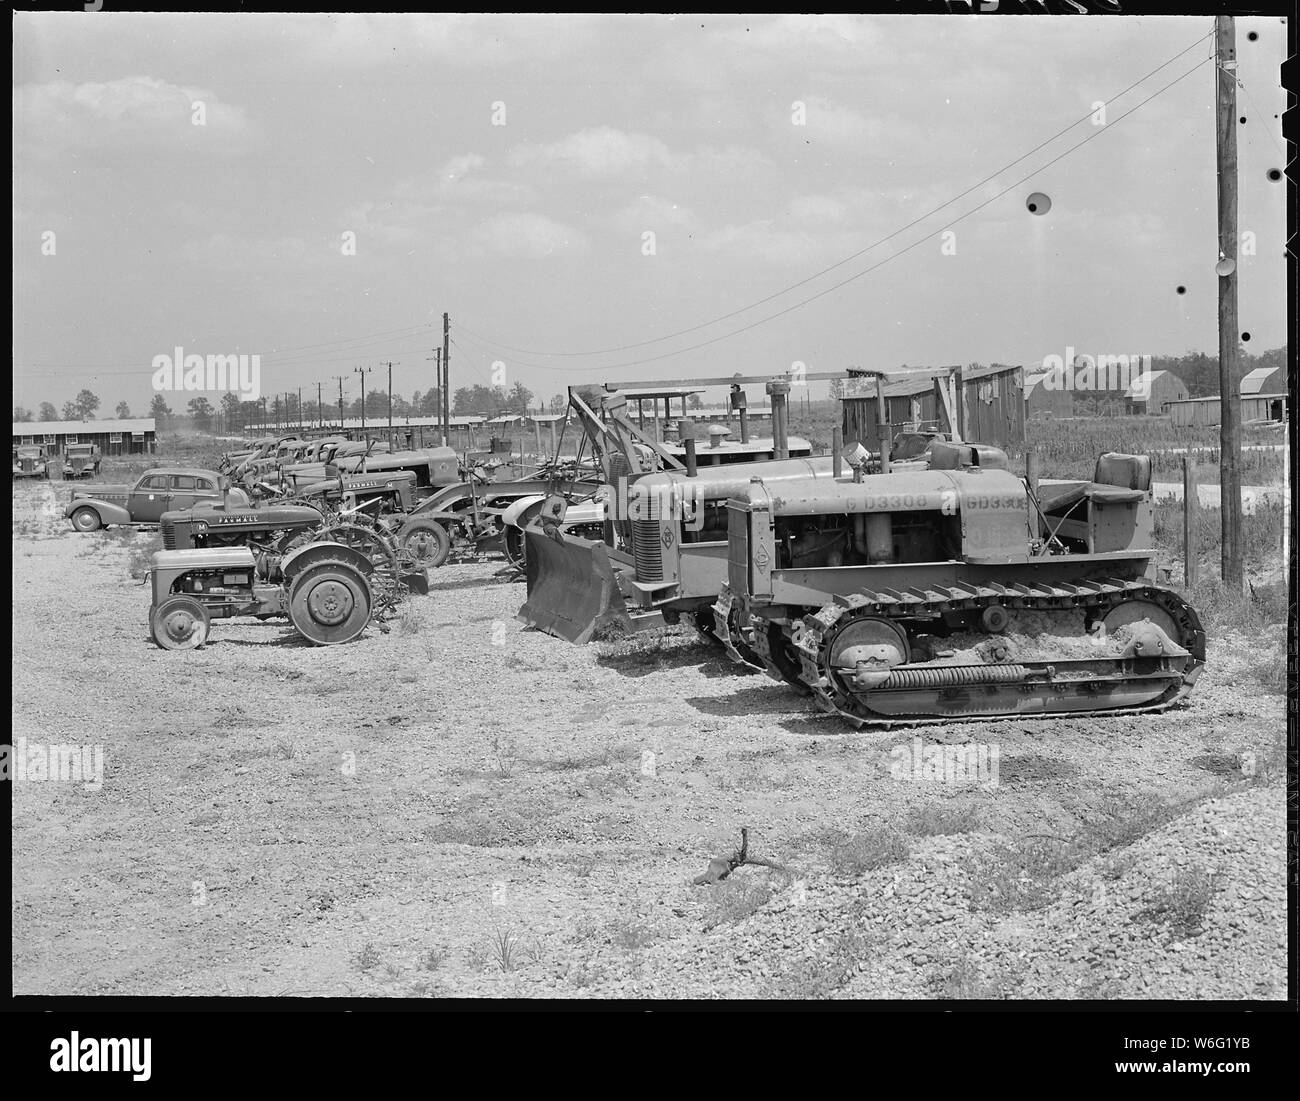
(778, 390)
(741, 404)
(686, 433)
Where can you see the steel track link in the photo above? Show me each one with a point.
(810, 637)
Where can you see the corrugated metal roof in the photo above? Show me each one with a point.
(1255, 381)
(861, 387)
(376, 423)
(1251, 397)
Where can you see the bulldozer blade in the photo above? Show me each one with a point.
(572, 587)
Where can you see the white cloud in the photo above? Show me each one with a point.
(818, 209)
(527, 236)
(836, 124)
(599, 151)
(232, 252)
(52, 117)
(760, 240)
(651, 212)
(465, 41)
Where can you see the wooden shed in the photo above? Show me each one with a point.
(1044, 398)
(1152, 393)
(1206, 411)
(990, 401)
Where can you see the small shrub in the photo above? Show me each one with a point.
(859, 853)
(367, 957)
(631, 934)
(734, 900)
(943, 819)
(1183, 904)
(1020, 876)
(965, 980)
(503, 947)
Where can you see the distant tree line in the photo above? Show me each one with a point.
(1198, 371)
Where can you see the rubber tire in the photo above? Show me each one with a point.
(339, 573)
(514, 545)
(202, 624)
(94, 523)
(437, 535)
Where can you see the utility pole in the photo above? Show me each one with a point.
(446, 379)
(1225, 135)
(362, 372)
(300, 426)
(340, 378)
(320, 409)
(390, 405)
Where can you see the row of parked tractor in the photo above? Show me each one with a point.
(331, 533)
(920, 581)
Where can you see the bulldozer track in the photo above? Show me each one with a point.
(810, 638)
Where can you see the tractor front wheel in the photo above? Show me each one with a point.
(180, 623)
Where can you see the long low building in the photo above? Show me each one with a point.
(418, 431)
(133, 436)
(1207, 411)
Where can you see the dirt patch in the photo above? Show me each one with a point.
(454, 809)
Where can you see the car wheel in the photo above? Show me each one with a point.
(86, 519)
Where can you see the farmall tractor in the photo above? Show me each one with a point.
(959, 592)
(329, 574)
(324, 589)
(275, 528)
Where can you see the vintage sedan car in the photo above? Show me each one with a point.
(81, 460)
(164, 489)
(30, 461)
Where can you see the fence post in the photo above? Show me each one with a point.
(1286, 507)
(1191, 511)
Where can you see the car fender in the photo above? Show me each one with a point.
(109, 513)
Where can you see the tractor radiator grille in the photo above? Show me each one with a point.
(169, 536)
(647, 550)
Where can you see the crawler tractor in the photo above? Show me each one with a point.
(664, 548)
(324, 588)
(959, 592)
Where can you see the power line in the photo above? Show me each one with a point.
(409, 332)
(880, 263)
(851, 256)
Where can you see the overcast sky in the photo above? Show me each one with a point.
(229, 236)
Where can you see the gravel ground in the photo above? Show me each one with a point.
(458, 807)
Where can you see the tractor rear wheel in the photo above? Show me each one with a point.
(86, 519)
(424, 543)
(514, 544)
(329, 603)
(180, 623)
